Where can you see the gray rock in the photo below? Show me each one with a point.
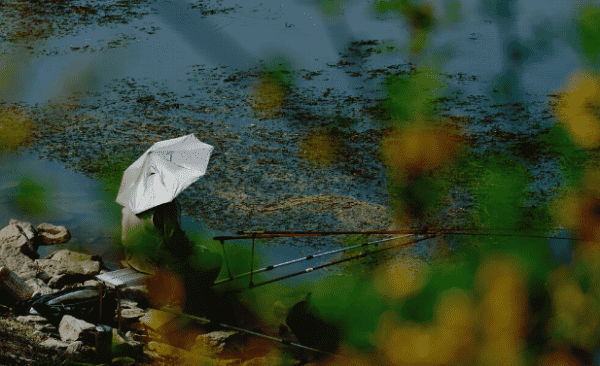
(72, 329)
(117, 336)
(66, 255)
(32, 319)
(47, 328)
(130, 336)
(49, 234)
(67, 267)
(39, 334)
(78, 349)
(215, 343)
(74, 348)
(63, 280)
(22, 265)
(130, 312)
(91, 283)
(132, 315)
(127, 345)
(54, 343)
(39, 286)
(26, 228)
(15, 234)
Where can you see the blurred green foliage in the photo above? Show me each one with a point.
(573, 159)
(411, 96)
(588, 24)
(453, 10)
(32, 195)
(279, 68)
(504, 294)
(334, 7)
(517, 291)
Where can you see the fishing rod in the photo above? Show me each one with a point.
(308, 270)
(421, 231)
(308, 257)
(406, 232)
(226, 326)
(285, 234)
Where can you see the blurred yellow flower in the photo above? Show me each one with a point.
(576, 314)
(503, 312)
(267, 96)
(401, 277)
(419, 148)
(580, 212)
(455, 308)
(321, 147)
(14, 128)
(409, 344)
(582, 92)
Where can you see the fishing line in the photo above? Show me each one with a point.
(279, 340)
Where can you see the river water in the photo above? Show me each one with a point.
(164, 46)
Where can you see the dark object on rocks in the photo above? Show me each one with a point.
(81, 303)
(49, 234)
(14, 285)
(104, 339)
(311, 328)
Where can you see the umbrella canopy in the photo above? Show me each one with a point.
(162, 172)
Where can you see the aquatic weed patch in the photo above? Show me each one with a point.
(34, 20)
(207, 8)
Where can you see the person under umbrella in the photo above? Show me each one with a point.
(152, 236)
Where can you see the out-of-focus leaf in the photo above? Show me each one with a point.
(572, 157)
(14, 128)
(410, 97)
(32, 196)
(453, 10)
(280, 68)
(589, 33)
(419, 16)
(500, 193)
(421, 307)
(334, 7)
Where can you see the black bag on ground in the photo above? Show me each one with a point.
(80, 302)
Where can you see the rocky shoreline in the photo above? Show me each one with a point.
(146, 336)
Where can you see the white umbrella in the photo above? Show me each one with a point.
(165, 169)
